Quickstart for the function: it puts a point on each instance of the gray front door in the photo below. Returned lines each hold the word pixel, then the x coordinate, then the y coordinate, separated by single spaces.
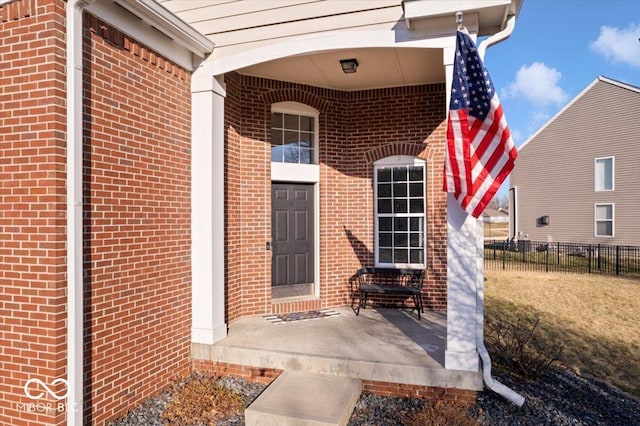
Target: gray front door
pixel 292 265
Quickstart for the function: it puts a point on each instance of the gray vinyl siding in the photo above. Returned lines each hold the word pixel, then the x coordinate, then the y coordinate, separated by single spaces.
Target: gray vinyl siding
pixel 554 172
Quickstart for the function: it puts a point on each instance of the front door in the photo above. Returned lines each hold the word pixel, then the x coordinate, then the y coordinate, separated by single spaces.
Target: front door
pixel 292 264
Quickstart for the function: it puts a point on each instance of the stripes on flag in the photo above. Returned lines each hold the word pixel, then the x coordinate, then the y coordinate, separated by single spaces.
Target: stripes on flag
pixel 480 150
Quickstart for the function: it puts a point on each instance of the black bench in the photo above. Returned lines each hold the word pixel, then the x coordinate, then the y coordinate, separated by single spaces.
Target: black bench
pixel 390 282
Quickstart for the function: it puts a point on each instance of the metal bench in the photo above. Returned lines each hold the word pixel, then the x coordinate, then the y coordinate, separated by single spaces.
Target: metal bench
pixel 390 282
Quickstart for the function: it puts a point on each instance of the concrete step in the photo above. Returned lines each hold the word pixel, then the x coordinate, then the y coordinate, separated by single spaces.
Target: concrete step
pixel 298 398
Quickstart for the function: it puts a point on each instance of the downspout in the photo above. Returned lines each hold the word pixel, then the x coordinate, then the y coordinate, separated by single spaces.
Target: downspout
pixel 495 386
pixel 75 308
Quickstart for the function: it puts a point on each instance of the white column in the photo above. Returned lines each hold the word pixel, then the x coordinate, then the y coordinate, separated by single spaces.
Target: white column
pixel 463 277
pixel 207 209
pixel 463 274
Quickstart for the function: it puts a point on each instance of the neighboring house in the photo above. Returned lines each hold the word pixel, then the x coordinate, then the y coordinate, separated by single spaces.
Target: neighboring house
pixel 496 223
pixel 576 179
pixel 152 153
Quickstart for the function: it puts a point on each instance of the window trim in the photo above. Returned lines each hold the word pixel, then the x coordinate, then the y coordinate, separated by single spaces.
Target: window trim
pixel 612 220
pixel 399 160
pixel 297 108
pixel 595 174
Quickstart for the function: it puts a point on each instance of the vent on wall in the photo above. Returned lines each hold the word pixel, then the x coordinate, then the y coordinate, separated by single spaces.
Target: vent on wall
pixel 543 220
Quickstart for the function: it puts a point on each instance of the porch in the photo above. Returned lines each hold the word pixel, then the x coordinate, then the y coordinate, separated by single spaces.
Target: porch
pixel 380 346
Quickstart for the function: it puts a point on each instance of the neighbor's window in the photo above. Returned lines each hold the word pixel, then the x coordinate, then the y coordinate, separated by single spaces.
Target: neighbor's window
pixel 400 212
pixel 293 137
pixel 604 174
pixel 604 220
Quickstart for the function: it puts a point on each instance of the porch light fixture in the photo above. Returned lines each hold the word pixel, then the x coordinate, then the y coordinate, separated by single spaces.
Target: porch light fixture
pixel 349 66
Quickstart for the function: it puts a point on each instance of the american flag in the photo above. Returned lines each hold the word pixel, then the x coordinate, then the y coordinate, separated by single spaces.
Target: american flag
pixel 480 150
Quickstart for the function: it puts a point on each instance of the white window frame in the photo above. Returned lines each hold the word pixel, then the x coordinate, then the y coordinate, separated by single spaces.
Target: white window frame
pixel 294 172
pixel 399 160
pixel 595 174
pixel 612 220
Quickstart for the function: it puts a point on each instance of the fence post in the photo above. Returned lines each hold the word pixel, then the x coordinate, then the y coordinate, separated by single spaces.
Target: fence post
pixel 599 266
pixel 590 256
pixel 558 253
pixel 504 255
pixel 617 260
pixel 546 259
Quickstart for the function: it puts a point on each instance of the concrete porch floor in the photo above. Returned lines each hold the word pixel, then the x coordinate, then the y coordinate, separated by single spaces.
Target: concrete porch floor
pixel 385 345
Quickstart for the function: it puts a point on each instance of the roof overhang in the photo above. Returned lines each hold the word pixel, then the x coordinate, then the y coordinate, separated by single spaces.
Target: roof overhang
pixel 150 23
pixel 492 14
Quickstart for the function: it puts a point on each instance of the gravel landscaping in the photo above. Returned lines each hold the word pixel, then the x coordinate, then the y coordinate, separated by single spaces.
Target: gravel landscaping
pixel 560 397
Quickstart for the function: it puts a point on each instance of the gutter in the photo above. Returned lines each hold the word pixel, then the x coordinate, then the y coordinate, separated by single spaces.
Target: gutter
pixel 75 308
pixel 495 386
pixel 161 19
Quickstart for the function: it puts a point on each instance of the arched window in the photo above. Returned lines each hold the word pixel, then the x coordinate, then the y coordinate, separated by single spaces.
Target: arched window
pixel 400 206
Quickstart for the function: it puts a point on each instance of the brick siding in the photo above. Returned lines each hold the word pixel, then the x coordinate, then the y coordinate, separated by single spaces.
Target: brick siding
pixel 136 215
pixel 32 208
pixel 137 221
pixel 463 397
pixel 356 129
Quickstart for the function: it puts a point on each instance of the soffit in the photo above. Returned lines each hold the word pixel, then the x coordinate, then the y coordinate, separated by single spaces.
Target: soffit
pixel 248 25
pixel 377 68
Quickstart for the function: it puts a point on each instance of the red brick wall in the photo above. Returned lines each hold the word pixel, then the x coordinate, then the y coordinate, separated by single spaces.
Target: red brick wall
pixel 136 216
pixel 463 397
pixel 234 184
pixel 356 129
pixel 32 208
pixel 137 221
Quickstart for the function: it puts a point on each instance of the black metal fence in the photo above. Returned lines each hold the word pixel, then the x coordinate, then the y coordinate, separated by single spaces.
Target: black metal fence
pixel 526 255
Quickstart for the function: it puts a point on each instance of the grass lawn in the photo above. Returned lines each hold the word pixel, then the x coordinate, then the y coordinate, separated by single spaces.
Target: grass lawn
pixel 596 318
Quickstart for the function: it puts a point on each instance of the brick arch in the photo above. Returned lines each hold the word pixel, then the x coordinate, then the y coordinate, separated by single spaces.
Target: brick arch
pixel 390 150
pixel 296 95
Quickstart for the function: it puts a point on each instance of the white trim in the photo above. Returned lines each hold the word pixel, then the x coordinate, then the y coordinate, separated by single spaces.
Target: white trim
pixel 316 240
pixel 619 84
pixel 391 161
pixel 613 174
pixel 292 172
pixel 140 20
pixel 75 247
pixel 513 211
pixel 463 280
pixel 295 108
pixel 168 23
pixel 323 43
pixel 207 215
pixel 400 160
pixel 612 220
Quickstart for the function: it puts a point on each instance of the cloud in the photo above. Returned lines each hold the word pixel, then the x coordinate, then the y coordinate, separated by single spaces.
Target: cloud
pixel 537 119
pixel 538 84
pixel 517 136
pixel 619 45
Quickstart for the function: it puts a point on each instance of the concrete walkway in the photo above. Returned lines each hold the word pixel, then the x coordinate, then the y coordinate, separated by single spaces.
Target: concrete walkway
pixel 305 399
